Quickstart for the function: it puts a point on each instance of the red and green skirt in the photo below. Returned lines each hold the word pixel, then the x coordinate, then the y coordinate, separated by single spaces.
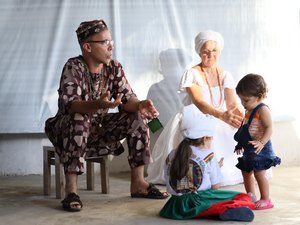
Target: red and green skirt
pixel 207 203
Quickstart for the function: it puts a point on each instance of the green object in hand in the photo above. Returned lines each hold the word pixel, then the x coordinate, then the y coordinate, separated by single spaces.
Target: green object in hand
pixel 154 125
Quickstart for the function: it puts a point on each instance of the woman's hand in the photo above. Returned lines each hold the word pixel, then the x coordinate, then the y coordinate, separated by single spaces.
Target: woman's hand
pixel 147 109
pixel 233 117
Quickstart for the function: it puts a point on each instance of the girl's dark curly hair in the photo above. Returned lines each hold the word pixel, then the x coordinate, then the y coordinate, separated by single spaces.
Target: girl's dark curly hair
pixel 252 85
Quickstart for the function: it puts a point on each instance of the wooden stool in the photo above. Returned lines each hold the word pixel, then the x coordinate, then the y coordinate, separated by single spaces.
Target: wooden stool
pixel 104 173
pixel 51 158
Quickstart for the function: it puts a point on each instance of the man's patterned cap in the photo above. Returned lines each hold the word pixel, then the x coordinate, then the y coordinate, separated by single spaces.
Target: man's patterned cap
pixel 88 28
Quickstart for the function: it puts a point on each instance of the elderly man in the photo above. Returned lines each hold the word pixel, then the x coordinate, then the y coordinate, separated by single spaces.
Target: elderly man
pixel 90 84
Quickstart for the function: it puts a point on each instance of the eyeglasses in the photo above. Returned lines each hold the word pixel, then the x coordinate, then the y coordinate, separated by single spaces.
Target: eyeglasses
pixel 207 52
pixel 103 42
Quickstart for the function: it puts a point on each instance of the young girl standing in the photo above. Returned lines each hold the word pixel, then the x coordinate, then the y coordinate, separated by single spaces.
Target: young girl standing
pixel 193 175
pixel 253 138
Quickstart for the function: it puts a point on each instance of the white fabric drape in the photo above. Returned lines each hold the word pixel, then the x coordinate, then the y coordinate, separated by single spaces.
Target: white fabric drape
pixel 153 41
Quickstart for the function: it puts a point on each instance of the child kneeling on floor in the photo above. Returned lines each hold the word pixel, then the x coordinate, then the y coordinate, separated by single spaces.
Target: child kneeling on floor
pixel 193 176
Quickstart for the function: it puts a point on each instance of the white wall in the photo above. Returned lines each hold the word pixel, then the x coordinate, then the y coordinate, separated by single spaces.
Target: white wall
pixel 286 142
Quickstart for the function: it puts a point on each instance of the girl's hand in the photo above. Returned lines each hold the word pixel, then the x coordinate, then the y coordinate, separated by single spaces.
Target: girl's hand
pixel 258 145
pixel 239 151
pixel 221 162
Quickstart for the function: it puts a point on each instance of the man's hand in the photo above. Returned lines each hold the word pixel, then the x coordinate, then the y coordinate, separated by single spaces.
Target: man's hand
pixel 147 109
pixel 106 103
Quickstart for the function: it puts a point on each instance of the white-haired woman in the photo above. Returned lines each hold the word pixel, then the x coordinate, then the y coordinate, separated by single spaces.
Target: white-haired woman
pixel 212 90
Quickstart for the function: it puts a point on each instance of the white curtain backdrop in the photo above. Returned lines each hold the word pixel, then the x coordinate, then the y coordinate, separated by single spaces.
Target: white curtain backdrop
pixel 153 41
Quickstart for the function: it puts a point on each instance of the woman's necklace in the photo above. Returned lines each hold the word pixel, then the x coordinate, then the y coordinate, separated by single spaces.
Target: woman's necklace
pixel 209 87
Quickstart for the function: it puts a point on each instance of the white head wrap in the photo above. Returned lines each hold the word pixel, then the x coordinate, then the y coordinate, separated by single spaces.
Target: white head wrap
pixel 194 124
pixel 208 35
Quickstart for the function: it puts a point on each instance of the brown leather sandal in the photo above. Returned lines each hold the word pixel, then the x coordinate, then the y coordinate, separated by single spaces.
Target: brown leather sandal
pixel 152 192
pixel 71 202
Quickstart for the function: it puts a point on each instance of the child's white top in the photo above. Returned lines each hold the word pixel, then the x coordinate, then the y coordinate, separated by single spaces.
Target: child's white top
pixel 204 172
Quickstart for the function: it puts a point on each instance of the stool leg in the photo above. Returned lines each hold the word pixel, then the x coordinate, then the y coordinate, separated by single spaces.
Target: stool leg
pixel 104 175
pixel 90 181
pixel 59 178
pixel 46 172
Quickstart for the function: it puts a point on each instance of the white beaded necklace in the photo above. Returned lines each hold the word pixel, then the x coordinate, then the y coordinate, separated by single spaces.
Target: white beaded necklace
pixel 209 87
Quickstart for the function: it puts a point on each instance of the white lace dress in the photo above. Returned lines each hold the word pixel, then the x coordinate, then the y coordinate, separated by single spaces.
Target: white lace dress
pixel 223 143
